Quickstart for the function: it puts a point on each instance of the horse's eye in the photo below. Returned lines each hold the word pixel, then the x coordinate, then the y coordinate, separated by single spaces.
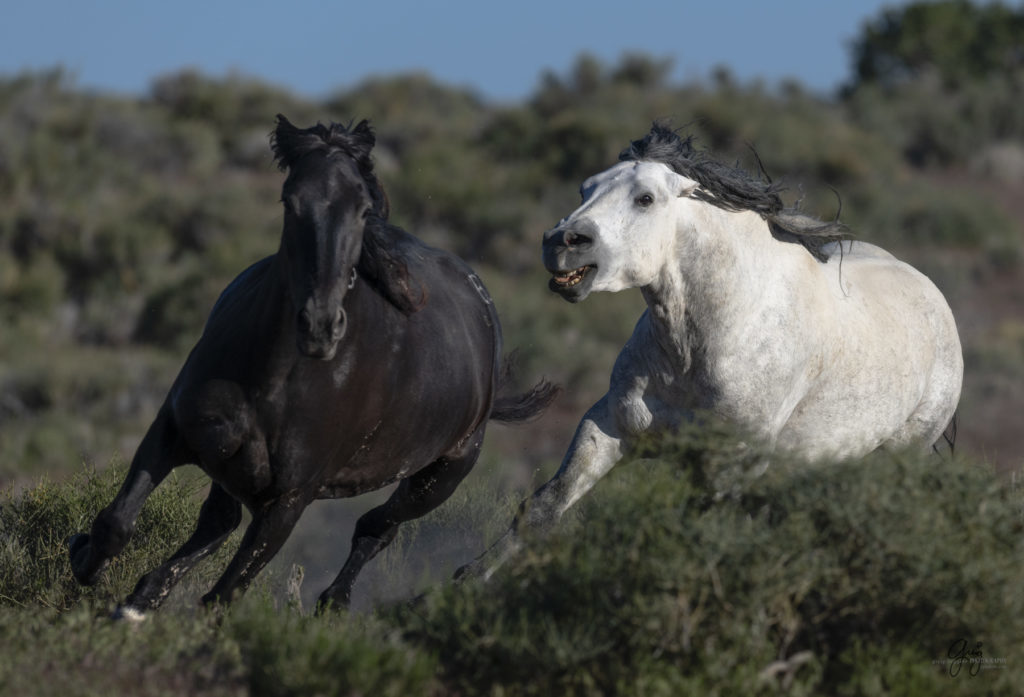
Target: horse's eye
pixel 644 200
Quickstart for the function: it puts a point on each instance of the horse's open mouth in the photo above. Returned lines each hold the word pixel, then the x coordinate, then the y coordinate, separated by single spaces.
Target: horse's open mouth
pixel 568 279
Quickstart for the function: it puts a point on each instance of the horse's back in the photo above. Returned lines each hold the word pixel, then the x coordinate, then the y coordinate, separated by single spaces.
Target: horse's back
pixel 867 279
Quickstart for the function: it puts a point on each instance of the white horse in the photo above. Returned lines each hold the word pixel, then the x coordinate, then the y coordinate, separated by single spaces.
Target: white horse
pixel 757 314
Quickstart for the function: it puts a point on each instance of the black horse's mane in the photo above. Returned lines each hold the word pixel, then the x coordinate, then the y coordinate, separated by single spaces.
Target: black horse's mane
pixel 734 189
pixel 383 260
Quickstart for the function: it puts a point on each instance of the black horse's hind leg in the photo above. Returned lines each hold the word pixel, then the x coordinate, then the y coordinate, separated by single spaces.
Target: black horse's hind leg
pixel 414 497
pixel 158 454
pixel 267 532
pixel 220 515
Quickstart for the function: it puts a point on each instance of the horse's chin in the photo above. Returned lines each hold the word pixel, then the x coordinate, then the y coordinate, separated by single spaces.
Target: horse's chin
pixel 574 285
pixel 316 350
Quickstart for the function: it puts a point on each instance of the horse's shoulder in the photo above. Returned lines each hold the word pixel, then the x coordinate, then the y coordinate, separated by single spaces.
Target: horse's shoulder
pixel 226 321
pixel 640 359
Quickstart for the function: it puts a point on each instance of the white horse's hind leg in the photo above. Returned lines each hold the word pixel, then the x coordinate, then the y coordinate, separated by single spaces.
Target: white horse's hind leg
pixel 936 412
pixel 595 449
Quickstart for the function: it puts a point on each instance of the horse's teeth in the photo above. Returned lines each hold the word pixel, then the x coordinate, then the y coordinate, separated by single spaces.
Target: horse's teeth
pixel 571 278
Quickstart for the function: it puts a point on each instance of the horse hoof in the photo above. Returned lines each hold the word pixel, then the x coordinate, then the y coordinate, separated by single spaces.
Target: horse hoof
pixel 468 572
pixel 128 614
pixel 76 542
pixel 78 552
pixel 327 603
pixel 78 555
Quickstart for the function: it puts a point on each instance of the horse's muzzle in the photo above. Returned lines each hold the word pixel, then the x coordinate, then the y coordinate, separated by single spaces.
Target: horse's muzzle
pixel 318 333
pixel 569 256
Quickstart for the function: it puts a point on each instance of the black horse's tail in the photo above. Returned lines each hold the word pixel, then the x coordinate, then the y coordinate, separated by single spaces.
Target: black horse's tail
pixel 517 408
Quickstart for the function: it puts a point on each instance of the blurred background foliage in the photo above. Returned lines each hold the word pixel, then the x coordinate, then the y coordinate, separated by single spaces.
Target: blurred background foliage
pixel 122 217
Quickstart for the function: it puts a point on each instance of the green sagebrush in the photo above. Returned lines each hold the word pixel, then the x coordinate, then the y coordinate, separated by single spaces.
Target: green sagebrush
pixel 686 573
pixel 253 648
pixel 36 523
pixel 57 639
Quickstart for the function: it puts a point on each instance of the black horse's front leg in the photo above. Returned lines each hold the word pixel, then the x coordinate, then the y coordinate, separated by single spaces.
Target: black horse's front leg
pixel 220 515
pixel 268 531
pixel 159 453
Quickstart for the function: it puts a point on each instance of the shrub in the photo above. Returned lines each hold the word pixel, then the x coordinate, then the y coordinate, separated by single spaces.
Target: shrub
pixel 253 649
pixel 683 574
pixel 837 578
pixel 284 653
pixel 35 526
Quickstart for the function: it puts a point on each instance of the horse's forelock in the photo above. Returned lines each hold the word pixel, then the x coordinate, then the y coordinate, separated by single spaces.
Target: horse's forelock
pixel 662 144
pixel 290 143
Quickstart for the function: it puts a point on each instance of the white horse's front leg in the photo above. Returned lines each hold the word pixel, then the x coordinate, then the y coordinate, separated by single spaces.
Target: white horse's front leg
pixel 595 449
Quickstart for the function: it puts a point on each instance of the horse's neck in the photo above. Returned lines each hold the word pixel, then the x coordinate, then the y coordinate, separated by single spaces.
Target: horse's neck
pixel 717 275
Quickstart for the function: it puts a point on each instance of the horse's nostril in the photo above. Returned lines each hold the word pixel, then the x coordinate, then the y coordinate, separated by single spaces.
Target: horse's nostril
pixel 575 239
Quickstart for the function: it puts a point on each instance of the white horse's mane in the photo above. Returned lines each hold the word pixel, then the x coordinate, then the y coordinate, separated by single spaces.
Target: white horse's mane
pixel 733 188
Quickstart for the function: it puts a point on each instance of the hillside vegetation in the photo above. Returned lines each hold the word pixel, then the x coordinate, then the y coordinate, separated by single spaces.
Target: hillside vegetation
pixel 860 578
pixel 121 219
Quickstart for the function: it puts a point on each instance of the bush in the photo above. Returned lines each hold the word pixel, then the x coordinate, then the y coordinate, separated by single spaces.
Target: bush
pixel 35 526
pixel 254 649
pixel 286 654
pixel 848 578
pixel 684 574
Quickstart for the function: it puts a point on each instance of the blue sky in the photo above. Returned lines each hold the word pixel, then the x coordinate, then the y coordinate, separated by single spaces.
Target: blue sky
pixel 499 49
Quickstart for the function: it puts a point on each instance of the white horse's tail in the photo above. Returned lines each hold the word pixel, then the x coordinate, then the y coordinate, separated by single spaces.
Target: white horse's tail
pixel 949 435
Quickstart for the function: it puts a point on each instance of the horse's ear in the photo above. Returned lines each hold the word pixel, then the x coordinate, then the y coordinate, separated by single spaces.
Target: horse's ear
pixel 688 189
pixel 684 186
pixel 363 137
pixel 283 122
pixel 280 138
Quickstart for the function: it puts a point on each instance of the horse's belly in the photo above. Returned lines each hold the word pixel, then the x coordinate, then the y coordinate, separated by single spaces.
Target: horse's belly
pixel 853 419
pixel 402 437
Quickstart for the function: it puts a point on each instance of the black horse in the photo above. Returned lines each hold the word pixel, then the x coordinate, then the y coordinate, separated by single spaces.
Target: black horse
pixel 353 358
